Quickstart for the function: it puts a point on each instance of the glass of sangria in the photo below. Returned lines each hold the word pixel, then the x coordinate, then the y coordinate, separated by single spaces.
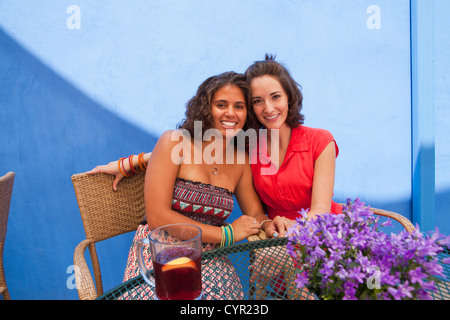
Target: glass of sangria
pixel 176 256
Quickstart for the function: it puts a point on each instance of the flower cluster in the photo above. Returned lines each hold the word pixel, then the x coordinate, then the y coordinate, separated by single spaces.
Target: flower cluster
pixel 347 256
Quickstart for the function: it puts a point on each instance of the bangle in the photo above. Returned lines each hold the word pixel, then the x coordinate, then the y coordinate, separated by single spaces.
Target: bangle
pixel 130 161
pixel 231 234
pixel 267 220
pixel 222 241
pixel 227 236
pixel 123 171
pixel 141 161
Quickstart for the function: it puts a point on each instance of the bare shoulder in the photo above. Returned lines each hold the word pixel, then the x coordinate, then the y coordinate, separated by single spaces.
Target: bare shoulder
pixel 170 139
pixel 174 144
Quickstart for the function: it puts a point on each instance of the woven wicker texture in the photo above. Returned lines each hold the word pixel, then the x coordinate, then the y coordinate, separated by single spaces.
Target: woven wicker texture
pixel 6 187
pixel 105 214
pixel 395 216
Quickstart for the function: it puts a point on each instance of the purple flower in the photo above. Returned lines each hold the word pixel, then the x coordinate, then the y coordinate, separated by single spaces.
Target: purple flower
pixel 335 254
pixel 290 249
pixel 342 273
pixel 416 275
pixel 339 254
pixel 387 223
pixel 318 252
pixel 327 269
pixel 394 293
pixel 429 285
pixel 421 294
pixel 349 291
pixel 433 268
pixel 405 289
pixel 303 213
pixel 301 280
pixel 356 274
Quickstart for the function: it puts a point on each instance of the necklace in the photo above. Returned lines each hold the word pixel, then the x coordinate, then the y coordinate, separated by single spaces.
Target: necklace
pixel 215 170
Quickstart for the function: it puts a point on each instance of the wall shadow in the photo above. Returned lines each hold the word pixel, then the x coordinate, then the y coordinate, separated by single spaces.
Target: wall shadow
pixel 50 130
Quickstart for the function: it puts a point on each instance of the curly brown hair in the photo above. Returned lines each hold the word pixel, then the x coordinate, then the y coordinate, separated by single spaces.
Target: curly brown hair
pixel 198 107
pixel 275 69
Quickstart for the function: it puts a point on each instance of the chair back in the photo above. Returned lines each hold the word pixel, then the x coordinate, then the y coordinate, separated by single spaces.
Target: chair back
pixel 6 187
pixel 107 213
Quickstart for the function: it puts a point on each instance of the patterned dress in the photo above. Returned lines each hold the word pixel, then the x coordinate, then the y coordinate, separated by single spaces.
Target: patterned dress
pixel 207 204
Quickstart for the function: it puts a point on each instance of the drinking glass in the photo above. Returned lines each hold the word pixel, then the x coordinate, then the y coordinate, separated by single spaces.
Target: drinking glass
pixel 176 257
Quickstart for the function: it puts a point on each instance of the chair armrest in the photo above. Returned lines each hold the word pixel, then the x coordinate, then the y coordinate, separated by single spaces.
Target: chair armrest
pixel 389 214
pixel 393 215
pixel 397 217
pixel 260 236
pixel 83 277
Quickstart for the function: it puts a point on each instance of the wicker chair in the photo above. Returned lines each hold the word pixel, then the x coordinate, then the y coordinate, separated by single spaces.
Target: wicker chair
pixel 6 187
pixel 290 271
pixel 105 214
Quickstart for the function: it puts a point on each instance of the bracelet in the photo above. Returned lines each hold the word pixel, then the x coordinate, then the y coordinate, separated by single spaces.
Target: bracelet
pixel 130 161
pixel 141 162
pixel 128 174
pixel 267 220
pixel 120 169
pixel 227 236
pixel 222 240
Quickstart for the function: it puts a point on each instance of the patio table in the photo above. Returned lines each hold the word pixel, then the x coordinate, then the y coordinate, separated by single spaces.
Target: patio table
pixel 242 255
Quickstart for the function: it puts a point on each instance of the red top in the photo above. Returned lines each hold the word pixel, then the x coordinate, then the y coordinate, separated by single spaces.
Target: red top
pixel 289 190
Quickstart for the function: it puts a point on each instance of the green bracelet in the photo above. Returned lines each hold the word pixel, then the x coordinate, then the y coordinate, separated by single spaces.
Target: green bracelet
pixel 227 235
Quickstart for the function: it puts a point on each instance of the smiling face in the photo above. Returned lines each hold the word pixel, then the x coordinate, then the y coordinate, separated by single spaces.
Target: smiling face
pixel 270 102
pixel 228 109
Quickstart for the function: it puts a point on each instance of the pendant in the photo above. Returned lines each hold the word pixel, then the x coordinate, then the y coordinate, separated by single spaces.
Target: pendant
pixel 215 171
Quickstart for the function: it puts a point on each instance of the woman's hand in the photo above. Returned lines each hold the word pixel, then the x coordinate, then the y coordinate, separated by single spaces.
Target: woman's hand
pixel 243 227
pixel 110 168
pixel 278 227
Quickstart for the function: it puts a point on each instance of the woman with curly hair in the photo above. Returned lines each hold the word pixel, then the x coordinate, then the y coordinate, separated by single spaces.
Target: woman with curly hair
pixel 179 189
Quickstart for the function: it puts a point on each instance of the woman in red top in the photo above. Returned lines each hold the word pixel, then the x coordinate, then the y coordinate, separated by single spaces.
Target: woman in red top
pixel 298 174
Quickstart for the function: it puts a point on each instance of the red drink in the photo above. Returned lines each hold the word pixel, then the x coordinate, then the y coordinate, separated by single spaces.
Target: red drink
pixel 177 274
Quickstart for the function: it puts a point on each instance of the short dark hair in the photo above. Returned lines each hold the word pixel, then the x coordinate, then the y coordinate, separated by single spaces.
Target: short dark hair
pixel 275 69
pixel 198 107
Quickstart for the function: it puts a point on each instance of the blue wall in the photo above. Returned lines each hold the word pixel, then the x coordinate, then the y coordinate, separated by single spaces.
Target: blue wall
pixel 85 85
pixel 442 113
